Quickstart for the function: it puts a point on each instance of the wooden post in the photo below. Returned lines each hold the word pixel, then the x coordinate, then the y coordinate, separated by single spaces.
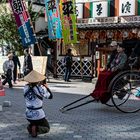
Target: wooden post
pixel 98 67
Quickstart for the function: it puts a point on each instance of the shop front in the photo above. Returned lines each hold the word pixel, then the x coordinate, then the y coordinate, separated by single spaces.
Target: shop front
pixel 119 29
pixel 99 23
pixel 82 60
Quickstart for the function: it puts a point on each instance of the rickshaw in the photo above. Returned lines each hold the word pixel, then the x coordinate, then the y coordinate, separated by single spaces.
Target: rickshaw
pixel 124 89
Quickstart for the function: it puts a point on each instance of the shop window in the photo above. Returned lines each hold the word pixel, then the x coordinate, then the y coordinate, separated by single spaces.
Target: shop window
pixel 81 48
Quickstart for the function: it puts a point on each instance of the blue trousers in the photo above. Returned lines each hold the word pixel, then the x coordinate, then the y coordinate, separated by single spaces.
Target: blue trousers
pixel 67 73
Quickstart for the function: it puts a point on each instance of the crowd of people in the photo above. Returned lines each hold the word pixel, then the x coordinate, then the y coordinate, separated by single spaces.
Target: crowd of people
pixel 12 65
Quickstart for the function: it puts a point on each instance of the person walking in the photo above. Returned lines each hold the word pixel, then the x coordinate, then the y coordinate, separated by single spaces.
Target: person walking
pixel 8 67
pixel 16 63
pixel 34 92
pixel 27 65
pixel 68 65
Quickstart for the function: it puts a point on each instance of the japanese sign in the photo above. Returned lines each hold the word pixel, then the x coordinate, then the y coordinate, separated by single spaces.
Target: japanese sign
pixel 23 22
pixel 79 10
pixel 68 18
pixel 53 18
pixel 128 19
pixel 100 9
pixel 84 1
pixel 127 7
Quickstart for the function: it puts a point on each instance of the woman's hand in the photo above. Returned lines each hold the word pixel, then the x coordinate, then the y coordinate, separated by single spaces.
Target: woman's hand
pixel 45 85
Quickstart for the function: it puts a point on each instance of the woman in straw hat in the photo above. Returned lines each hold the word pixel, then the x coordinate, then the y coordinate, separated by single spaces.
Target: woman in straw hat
pixel 34 92
pixel 8 67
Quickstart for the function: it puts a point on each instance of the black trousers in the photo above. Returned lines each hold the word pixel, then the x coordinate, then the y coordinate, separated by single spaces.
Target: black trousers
pixel 42 125
pixel 15 74
pixel 8 78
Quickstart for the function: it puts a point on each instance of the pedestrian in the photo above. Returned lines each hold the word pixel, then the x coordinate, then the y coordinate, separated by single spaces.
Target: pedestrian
pixel 27 65
pixel 34 92
pixel 1 86
pixel 8 67
pixel 68 65
pixel 16 63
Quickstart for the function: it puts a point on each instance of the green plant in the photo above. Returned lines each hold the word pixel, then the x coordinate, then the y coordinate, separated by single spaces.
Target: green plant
pixel 9 34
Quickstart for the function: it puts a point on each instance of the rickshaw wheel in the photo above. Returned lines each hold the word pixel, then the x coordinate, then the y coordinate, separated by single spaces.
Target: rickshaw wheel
pixel 124 89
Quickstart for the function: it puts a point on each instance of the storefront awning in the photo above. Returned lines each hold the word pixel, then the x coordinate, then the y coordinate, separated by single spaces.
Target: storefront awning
pixel 109 26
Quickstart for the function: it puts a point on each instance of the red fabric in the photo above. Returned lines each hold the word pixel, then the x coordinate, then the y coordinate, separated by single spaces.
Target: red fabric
pixel 2 91
pixel 101 89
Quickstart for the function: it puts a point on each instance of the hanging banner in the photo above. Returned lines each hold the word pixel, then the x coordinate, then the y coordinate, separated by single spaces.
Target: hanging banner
pixel 23 22
pixel 53 18
pixel 68 19
pixel 127 7
pixel 100 9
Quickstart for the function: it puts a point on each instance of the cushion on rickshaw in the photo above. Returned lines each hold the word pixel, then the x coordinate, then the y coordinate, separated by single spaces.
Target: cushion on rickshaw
pixel 101 91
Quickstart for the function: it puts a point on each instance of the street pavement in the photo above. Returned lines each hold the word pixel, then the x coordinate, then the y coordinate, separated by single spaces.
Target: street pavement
pixel 93 121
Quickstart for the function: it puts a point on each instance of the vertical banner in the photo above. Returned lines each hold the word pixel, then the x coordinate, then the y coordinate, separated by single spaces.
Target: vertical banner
pixel 23 22
pixel 68 19
pixel 53 17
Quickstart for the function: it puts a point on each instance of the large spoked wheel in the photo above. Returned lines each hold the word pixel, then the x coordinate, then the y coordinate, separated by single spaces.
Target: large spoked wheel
pixel 125 89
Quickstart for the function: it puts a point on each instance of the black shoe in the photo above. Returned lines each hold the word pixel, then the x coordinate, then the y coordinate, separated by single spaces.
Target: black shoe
pixel 11 86
pixel 68 81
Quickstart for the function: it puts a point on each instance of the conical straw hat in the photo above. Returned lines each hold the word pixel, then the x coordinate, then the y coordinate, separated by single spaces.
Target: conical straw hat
pixel 34 77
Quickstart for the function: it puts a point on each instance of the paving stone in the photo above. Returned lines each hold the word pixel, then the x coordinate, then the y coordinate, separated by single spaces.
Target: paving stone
pixel 90 122
pixel 1 109
pixel 7 104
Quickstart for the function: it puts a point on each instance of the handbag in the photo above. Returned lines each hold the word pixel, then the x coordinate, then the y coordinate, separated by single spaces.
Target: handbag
pixel 20 75
pixel 3 76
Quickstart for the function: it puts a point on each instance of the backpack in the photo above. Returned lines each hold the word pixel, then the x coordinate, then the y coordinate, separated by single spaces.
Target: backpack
pixel 64 61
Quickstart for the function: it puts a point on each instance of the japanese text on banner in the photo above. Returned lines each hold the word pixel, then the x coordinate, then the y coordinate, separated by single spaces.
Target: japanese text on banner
pixel 54 23
pixel 23 22
pixel 68 18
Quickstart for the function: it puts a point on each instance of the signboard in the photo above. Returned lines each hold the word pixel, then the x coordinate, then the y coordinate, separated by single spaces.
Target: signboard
pixel 23 22
pixel 84 1
pixel 98 20
pixel 127 7
pixel 129 19
pixel 39 63
pixel 100 9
